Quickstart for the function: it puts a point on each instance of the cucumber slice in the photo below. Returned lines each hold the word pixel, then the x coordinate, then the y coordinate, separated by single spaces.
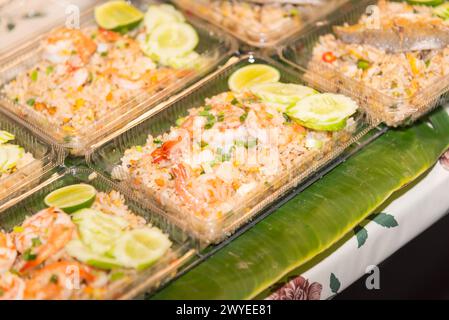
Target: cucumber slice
pixel 6 136
pixel 157 15
pixel 11 154
pixel 248 76
pixel 99 230
pixel 282 93
pixel 192 61
pixel 326 111
pixel 117 15
pixel 432 3
pixel 140 248
pixel 79 251
pixel 72 198
pixel 171 40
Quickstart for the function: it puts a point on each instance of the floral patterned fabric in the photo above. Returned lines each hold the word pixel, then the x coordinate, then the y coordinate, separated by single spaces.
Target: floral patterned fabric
pixel 445 160
pixel 298 289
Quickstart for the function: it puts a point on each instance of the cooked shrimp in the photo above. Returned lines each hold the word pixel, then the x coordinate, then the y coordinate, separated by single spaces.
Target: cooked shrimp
pixel 8 252
pixel 163 153
pixel 180 174
pixel 43 235
pixel 64 43
pixel 12 287
pixel 57 281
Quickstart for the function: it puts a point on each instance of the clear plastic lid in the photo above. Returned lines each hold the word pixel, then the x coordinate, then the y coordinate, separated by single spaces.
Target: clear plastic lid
pixel 260 23
pixel 23 20
pixel 384 101
pixel 40 156
pixel 14 212
pixel 213 48
pixel 106 157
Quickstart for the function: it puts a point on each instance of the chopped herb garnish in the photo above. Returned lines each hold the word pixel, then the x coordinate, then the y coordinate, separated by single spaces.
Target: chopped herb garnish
pixel 16 100
pixel 49 70
pixel 117 276
pixel 31 102
pixel 235 102
pixel 54 279
pixel 157 141
pixel 220 117
pixel 67 139
pixel 204 113
pixel 203 144
pixel 36 242
pixel 180 121
pixel 210 121
pixel 427 63
pixel 243 117
pixel 104 54
pixel 29 256
pixel 363 64
pixel 34 75
pixel 207 107
pixel 10 26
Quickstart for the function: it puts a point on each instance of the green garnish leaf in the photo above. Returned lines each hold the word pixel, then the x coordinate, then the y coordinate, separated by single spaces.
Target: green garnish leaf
pixel 243 117
pixel 31 102
pixel 117 276
pixel 49 70
pixel 34 75
pixel 29 256
pixel 220 117
pixel 157 141
pixel 36 242
pixel 54 279
pixel 210 121
pixel 363 64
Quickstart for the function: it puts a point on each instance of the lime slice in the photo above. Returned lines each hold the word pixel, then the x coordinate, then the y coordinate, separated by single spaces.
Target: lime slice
pixel 251 75
pixel 6 136
pixel 157 15
pixel 140 248
pixel 282 93
pixel 79 251
pixel 171 40
pixel 117 15
pixel 442 11
pixel 426 2
pixel 72 198
pixel 326 111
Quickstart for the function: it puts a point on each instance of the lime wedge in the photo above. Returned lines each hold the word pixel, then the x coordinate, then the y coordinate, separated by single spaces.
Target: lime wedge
pixel 6 136
pixel 71 198
pixel 251 75
pixel 171 40
pixel 442 11
pixel 157 15
pixel 79 251
pixel 426 2
pixel 325 112
pixel 140 248
pixel 282 93
pixel 117 15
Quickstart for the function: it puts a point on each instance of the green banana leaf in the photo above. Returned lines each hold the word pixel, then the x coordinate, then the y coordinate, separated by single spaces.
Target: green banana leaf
pixel 317 218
